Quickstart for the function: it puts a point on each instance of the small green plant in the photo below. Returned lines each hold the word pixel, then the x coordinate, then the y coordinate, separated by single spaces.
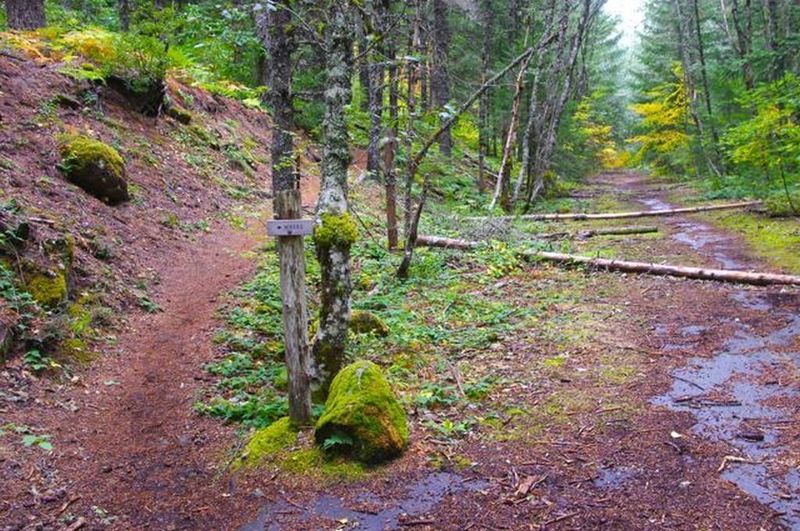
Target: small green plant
pixel 37 361
pixel 337 442
pixel 40 441
pixel 147 304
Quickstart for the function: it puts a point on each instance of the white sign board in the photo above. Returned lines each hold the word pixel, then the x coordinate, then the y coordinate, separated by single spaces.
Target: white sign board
pixel 290 227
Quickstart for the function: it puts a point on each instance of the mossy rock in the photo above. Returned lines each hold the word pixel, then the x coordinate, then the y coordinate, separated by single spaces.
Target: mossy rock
pixel 267 442
pixel 364 322
pixel 95 167
pixel 180 115
pixel 76 349
pixel 48 288
pixel 362 416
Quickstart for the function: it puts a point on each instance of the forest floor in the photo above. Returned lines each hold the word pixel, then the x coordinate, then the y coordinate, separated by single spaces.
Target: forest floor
pixel 636 402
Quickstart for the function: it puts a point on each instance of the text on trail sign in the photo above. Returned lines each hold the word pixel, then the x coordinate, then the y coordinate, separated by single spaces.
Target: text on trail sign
pixel 290 227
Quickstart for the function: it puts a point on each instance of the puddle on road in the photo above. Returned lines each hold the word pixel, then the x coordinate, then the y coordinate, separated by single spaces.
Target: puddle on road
pixel 733 400
pixel 699 237
pixel 656 204
pixel 422 497
pixel 614 477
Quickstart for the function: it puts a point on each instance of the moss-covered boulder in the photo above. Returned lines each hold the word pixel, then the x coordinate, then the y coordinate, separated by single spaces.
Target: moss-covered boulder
pixel 362 416
pixel 180 115
pixel 48 288
pixel 363 322
pixel 95 167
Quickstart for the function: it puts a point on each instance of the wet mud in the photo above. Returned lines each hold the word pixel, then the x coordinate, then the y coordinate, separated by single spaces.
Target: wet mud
pixel 422 497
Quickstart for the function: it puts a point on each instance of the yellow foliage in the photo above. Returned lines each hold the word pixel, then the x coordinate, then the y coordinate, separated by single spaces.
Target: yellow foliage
pixel 466 130
pixel 598 137
pixel 663 119
pixel 94 44
pixel 29 43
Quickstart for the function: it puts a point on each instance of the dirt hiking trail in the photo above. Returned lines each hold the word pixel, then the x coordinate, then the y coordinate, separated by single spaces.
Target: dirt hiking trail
pixel 711 440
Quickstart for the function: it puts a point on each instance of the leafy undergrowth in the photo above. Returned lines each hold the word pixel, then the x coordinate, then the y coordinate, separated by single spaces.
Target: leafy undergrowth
pixel 472 337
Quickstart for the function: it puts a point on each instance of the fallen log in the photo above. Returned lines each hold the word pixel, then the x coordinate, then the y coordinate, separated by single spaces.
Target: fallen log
pixel 720 275
pixel 619 215
pixel 591 233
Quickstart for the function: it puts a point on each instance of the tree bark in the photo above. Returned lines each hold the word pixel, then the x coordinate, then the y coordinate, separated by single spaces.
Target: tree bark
pixel 721 275
pixel 486 23
pixel 335 228
pixel 440 78
pixel 389 149
pixel 124 7
pixel 377 11
pixel 744 40
pixel 287 205
pixel 777 61
pixel 25 14
pixel 502 192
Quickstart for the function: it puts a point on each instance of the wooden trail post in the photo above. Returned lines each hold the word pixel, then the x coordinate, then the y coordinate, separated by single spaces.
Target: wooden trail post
pixel 289 229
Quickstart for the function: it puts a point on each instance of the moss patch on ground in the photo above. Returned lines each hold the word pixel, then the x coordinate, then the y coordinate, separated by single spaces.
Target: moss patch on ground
pixel 280 444
pixel 776 240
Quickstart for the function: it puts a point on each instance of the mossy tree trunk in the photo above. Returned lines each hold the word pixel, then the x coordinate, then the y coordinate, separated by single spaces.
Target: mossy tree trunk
pixel 336 230
pixel 25 14
pixel 287 205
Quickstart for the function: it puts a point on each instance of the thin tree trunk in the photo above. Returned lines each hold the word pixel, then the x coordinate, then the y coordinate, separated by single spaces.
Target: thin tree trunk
pixel 336 230
pixel 25 14
pixel 691 90
pixel 413 164
pixel 440 79
pixel 502 192
pixel 124 7
pixel 389 149
pixel 287 203
pixel 706 90
pixel 377 11
pixel 776 60
pixel 744 40
pixel 486 20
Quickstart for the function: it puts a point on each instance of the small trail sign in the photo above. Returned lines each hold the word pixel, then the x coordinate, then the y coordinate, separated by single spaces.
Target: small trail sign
pixel 290 227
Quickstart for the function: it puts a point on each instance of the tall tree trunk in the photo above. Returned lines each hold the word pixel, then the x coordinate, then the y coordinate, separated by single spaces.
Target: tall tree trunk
pixel 336 230
pixel 377 11
pixel 124 8
pixel 25 14
pixel 440 78
pixel 691 89
pixel 773 40
pixel 287 205
pixel 363 69
pixel 502 189
pixel 390 149
pixel 706 90
pixel 486 19
pixel 744 40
